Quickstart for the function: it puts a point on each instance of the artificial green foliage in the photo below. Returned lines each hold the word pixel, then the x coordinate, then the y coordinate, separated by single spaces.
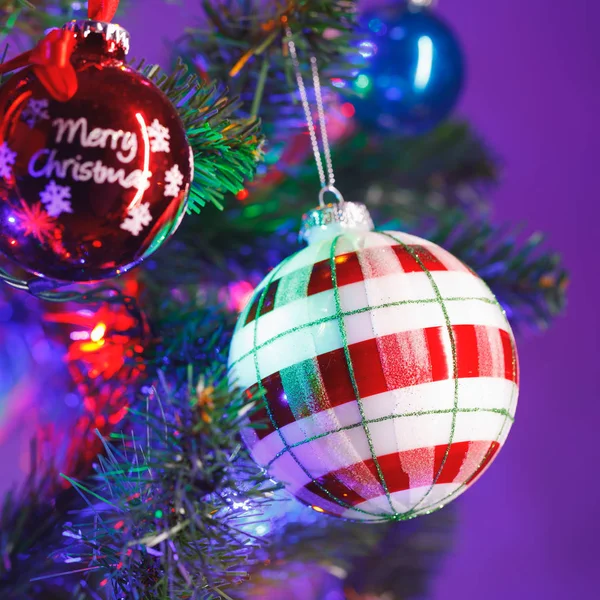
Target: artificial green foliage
pixel 226 150
pixel 29 522
pixel 244 47
pixel 33 17
pixel 405 179
pixel 529 281
pixel 386 561
pixel 433 186
pixel 163 521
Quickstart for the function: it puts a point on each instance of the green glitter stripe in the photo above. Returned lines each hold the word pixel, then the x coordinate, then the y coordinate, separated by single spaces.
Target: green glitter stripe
pixel 343 333
pixel 422 413
pixel 456 492
pixel 338 501
pixel 358 311
pixel 440 299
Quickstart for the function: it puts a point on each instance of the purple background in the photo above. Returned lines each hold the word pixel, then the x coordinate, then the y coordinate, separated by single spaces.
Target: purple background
pixel 528 529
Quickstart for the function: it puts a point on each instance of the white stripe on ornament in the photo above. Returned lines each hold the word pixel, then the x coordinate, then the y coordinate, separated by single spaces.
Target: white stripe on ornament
pixel 486 393
pixel 307 257
pixel 295 318
pixel 481 393
pixel 342 449
pixel 406 238
pixel 404 500
pixel 474 393
pixel 447 259
pixel 347 243
pixel 412 287
pixel 478 394
pixel 243 374
pixel 399 287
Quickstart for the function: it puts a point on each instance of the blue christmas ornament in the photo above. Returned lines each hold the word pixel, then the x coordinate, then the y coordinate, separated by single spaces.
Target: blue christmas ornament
pixel 414 71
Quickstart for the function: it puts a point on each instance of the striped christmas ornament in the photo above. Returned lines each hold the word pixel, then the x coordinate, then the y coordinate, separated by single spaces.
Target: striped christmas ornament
pixel 388 369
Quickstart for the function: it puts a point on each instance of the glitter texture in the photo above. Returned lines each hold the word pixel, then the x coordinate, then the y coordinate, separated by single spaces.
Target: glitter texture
pixel 324 222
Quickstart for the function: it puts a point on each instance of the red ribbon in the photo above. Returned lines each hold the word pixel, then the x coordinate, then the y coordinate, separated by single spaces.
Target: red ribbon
pixel 51 58
pixel 102 10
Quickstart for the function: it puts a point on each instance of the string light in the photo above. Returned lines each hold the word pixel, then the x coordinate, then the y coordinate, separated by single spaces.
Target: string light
pixel 98 332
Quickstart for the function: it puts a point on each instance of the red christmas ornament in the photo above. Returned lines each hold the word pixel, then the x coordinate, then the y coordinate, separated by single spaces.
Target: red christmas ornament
pixel 104 358
pixel 95 167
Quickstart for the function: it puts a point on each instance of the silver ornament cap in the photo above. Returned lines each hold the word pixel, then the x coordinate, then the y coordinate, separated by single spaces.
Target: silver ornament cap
pixel 116 37
pixel 329 220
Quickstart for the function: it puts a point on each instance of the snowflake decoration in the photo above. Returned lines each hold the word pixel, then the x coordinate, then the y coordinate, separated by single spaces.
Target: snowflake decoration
pixel 36 110
pixel 35 221
pixel 159 137
pixel 55 197
pixel 7 159
pixel 174 181
pixel 139 217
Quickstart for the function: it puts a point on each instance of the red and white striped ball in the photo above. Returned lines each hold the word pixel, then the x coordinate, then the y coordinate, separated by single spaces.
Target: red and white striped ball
pixel 389 372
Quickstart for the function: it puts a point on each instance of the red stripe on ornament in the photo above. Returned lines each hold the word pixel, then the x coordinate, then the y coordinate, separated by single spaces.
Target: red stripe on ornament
pixel 397 361
pixel 268 301
pixel 477 346
pixel 438 356
pixel 426 259
pixel 253 309
pixel 467 350
pixel 348 270
pixel 368 370
pixel 358 483
pixel 275 397
pixel 454 458
pixel 511 361
pixel 269 298
pixel 335 376
pixel 485 463
pixel 348 266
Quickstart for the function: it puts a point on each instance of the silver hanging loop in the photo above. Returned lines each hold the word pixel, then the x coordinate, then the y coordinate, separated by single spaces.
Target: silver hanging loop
pixel 330 189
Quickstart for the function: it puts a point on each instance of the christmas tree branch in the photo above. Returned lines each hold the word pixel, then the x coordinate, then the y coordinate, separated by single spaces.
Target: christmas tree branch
pixel 161 517
pixel 33 17
pixel 244 48
pixel 166 511
pixel 384 561
pixel 173 507
pixel 404 178
pixel 529 281
pixel 431 186
pixel 30 522
pixel 226 151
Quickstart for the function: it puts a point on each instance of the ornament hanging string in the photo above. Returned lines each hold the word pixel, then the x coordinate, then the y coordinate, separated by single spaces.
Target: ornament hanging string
pixel 327 182
pixel 51 58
